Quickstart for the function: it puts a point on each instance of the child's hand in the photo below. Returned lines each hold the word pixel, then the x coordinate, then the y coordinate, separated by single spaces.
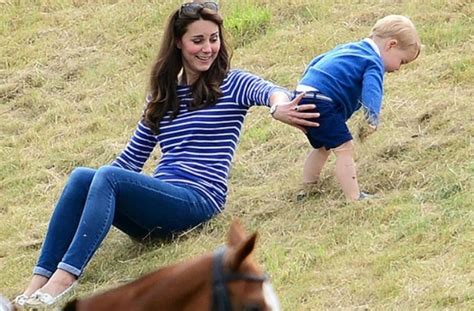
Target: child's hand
pixel 365 131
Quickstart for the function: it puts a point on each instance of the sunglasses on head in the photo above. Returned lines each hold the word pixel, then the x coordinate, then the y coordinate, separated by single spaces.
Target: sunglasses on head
pixel 192 8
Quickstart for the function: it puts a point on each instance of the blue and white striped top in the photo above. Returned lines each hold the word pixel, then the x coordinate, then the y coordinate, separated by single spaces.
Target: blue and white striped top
pixel 197 146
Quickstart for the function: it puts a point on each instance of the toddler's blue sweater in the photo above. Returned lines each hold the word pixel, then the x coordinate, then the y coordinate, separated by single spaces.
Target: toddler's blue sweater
pixel 352 75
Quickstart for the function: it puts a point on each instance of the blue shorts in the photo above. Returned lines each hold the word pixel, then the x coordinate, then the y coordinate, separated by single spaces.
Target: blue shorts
pixel 332 131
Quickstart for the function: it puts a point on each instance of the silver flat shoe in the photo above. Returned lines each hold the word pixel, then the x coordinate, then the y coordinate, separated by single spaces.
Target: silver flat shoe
pixel 20 300
pixel 39 299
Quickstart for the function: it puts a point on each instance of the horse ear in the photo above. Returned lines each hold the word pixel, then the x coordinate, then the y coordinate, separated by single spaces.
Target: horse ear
pixel 237 256
pixel 236 233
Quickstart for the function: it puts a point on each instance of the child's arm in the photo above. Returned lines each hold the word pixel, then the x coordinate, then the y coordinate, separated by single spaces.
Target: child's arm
pixel 372 93
pixel 371 97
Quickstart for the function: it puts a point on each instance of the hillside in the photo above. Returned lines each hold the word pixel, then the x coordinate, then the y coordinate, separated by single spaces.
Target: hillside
pixel 73 76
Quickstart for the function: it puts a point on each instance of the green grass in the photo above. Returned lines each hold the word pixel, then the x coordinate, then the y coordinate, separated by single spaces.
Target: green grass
pixel 73 76
pixel 246 22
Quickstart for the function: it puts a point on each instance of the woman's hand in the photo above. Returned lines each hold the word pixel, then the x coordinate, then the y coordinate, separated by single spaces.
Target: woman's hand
pixel 290 113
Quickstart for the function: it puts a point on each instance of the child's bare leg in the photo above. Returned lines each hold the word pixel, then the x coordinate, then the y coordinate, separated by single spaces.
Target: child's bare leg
pixel 314 164
pixel 346 170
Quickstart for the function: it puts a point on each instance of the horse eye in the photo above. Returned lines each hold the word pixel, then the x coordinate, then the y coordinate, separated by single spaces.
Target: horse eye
pixel 252 307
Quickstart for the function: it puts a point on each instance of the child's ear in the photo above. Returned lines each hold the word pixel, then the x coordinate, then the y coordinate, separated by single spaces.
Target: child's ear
pixel 392 43
pixel 179 44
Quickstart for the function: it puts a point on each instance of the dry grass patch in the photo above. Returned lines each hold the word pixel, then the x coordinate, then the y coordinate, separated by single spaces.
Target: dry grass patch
pixel 73 76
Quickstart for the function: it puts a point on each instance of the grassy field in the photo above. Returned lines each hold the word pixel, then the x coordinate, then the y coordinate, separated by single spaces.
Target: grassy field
pixel 73 76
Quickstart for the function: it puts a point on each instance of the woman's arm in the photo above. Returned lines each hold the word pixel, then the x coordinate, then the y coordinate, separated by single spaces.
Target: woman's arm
pixel 250 90
pixel 286 112
pixel 138 149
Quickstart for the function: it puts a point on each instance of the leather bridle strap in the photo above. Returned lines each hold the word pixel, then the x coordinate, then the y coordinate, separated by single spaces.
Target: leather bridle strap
pixel 220 294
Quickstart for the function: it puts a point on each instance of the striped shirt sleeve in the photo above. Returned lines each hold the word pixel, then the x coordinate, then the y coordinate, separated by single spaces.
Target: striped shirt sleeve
pixel 138 149
pixel 252 90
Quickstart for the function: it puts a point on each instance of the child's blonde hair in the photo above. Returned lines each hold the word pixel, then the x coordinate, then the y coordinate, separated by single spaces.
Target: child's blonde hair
pixel 400 28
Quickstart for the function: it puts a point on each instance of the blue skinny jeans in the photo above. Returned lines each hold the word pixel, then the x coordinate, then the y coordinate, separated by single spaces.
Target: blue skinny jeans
pixel 94 200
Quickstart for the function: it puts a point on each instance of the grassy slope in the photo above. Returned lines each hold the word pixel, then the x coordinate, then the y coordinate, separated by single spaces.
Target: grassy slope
pixel 72 79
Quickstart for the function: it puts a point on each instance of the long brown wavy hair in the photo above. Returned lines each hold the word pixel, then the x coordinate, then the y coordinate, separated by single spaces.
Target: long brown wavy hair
pixel 206 90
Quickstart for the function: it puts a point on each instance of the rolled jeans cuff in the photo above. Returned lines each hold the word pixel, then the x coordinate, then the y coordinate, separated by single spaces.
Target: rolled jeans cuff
pixel 42 271
pixel 69 268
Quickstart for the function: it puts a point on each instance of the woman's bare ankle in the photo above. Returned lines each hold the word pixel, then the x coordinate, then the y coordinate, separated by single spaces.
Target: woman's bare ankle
pixel 59 281
pixel 37 281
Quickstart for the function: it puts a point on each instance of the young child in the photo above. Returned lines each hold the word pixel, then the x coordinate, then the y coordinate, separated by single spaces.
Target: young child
pixel 345 79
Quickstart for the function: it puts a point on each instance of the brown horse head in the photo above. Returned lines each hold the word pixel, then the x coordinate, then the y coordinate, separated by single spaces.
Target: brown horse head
pixel 227 279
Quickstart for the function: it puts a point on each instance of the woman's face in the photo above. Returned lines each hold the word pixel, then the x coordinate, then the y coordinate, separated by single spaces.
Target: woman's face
pixel 199 48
